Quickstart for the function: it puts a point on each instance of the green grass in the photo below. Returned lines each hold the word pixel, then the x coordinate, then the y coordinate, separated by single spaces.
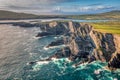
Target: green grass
pixel 113 15
pixel 107 27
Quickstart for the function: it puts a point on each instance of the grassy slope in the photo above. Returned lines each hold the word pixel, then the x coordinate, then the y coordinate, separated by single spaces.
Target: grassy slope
pixel 107 15
pixel 14 15
pixel 5 15
pixel 107 27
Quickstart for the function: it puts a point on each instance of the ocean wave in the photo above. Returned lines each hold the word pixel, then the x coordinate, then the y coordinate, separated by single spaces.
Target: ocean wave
pixel 45 48
pixel 86 71
pixel 39 64
pixel 35 37
pixel 60 63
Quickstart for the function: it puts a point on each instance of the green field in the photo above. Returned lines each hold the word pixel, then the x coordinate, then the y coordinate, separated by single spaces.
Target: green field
pixel 107 27
pixel 112 15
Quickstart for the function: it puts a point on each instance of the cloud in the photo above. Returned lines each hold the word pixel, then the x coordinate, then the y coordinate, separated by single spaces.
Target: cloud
pixel 31 2
pixel 93 8
pixel 51 6
pixel 83 8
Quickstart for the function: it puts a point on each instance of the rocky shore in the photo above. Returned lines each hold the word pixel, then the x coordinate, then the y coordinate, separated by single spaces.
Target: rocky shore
pixel 83 43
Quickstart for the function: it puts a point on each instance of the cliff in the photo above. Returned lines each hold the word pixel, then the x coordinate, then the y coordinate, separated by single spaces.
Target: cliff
pixel 83 43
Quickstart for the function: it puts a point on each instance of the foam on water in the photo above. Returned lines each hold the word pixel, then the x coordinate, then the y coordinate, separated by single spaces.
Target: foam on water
pixel 39 64
pixel 42 62
pixel 66 70
pixel 45 48
pixel 55 37
pixel 43 58
pixel 64 65
pixel 97 71
pixel 36 38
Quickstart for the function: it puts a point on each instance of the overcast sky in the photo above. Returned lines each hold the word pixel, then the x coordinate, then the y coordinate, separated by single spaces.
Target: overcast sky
pixel 60 6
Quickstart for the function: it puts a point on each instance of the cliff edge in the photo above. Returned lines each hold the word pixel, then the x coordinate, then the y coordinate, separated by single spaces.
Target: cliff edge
pixel 83 43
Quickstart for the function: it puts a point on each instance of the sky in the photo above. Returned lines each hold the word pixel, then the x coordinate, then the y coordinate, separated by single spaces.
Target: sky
pixel 50 7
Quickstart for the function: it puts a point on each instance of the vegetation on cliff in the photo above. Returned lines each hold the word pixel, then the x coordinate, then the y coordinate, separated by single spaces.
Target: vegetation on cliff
pixel 108 15
pixel 112 27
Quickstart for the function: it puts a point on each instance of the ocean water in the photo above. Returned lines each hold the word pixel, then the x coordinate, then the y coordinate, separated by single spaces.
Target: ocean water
pixel 19 46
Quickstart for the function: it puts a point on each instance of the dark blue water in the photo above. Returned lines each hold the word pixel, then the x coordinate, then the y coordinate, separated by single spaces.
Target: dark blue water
pixel 18 46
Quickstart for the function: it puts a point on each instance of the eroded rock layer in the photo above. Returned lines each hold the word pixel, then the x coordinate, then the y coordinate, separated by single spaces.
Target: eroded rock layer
pixel 83 42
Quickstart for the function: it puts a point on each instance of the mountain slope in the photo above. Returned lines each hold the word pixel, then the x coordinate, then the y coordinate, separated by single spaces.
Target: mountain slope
pixel 14 15
pixel 107 15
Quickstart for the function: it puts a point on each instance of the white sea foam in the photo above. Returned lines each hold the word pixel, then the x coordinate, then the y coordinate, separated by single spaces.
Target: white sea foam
pixel 73 66
pixel 42 62
pixel 43 58
pixel 115 79
pixel 68 60
pixel 54 59
pixel 35 37
pixel 55 37
pixel 84 64
pixel 33 54
pixel 96 72
pixel 39 64
pixel 45 48
pixel 80 67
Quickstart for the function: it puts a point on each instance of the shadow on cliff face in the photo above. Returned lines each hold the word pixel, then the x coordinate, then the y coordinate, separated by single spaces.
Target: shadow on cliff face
pixel 106 46
pixel 81 41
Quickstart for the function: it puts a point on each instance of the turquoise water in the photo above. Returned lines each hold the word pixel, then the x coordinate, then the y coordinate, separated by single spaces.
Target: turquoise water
pixel 62 69
pixel 18 46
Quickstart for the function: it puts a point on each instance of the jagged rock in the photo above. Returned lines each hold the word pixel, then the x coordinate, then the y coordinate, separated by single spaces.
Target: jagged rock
pixel 62 53
pixel 83 42
pixel 56 43
pixel 114 63
pixel 42 34
pixel 55 28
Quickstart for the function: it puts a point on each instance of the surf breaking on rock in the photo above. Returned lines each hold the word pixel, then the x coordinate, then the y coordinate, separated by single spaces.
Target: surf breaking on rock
pixel 82 43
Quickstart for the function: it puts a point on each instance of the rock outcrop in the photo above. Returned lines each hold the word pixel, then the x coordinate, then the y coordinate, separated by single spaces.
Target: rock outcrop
pixel 83 42
pixel 53 28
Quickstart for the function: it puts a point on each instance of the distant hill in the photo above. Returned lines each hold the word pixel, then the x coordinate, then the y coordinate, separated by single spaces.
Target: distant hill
pixel 14 15
pixel 9 15
pixel 107 15
pixel 6 15
pixel 112 12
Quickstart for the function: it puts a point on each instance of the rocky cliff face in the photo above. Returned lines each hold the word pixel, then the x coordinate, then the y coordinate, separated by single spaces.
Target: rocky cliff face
pixel 82 42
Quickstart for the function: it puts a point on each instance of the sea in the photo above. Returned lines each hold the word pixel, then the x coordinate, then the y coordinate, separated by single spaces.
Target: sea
pixel 19 46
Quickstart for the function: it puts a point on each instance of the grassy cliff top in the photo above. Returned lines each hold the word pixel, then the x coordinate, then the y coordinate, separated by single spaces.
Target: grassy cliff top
pixel 104 16
pixel 112 27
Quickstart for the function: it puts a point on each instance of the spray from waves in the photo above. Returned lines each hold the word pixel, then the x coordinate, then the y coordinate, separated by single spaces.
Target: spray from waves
pixel 36 38
pixel 47 48
pixel 62 64
pixel 39 64
pixel 59 37
pixel 64 69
